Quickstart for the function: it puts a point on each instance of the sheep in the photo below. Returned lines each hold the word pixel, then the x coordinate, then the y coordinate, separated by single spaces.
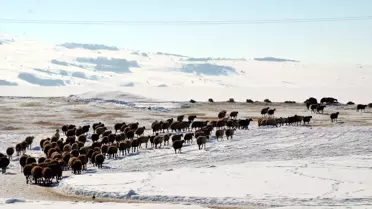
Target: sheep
pixel 267 122
pixel 232 123
pixel 86 129
pixel 334 116
pixel 117 126
pixel 220 133
pixel 177 137
pixel 67 148
pixel 222 114
pixel 70 140
pixel 10 152
pixel 180 118
pixel 30 160
pixel 97 125
pixel 176 126
pixel 313 107
pixel 41 160
pixel 361 107
pixel 221 123
pixel 234 114
pixel 185 125
pixel 157 126
pixel 166 125
pixel 264 111
pixel 37 173
pixel 135 144
pixel 84 161
pixel 18 148
pixel 158 140
pixel 104 149
pixel 100 130
pixel 144 140
pixel 328 100
pixel 70 132
pixel 271 112
pixel 133 126
pixel 191 118
pixel 79 131
pixel 47 174
pixel 198 124
pixel 188 137
pixel 22 160
pixel 229 133
pixel 130 134
pixel 177 145
pixel 75 153
pixel 75 146
pixel 94 137
pixel 99 160
pixel 201 141
pixel 139 131
pixel 4 162
pixel 27 171
pixel 112 151
pixel 311 101
pixel 64 129
pixel 82 139
pixel 111 138
pixel 244 123
pixel 306 119
pixel 105 140
pixel 106 133
pixel 320 108
pixel 57 156
pixel 93 158
pixel 76 166
pixel 122 147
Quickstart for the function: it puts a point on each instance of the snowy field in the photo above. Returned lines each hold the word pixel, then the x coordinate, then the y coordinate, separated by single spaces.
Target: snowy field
pixel 18 203
pixel 32 68
pixel 321 165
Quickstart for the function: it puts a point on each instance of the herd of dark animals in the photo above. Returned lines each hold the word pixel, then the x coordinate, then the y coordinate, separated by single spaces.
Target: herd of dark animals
pixel 73 154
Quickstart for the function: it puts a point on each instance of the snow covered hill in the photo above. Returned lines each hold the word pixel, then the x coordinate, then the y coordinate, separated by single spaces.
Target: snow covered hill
pixel 31 68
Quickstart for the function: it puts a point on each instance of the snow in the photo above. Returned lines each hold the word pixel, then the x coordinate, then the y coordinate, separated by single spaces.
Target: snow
pixel 10 204
pixel 31 68
pixel 287 166
pixel 321 165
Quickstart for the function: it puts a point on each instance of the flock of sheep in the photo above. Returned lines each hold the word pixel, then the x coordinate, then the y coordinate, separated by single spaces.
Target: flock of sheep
pixel 69 150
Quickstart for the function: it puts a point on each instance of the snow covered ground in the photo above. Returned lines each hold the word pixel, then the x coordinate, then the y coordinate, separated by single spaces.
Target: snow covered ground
pixel 319 165
pixel 19 203
pixel 49 70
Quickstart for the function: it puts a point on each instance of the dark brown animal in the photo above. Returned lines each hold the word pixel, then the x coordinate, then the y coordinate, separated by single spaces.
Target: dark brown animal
pixel 334 117
pixel 361 107
pixel 177 145
pixel 229 133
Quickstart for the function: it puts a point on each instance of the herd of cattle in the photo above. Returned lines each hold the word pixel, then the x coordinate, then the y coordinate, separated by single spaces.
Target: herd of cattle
pixel 69 150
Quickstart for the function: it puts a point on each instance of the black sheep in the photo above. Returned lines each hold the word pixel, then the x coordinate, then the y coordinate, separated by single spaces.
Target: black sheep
pixel 177 145
pixel 334 116
pixel 4 162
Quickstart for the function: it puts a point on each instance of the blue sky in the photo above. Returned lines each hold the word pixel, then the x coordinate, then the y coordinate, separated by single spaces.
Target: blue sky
pixel 321 42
